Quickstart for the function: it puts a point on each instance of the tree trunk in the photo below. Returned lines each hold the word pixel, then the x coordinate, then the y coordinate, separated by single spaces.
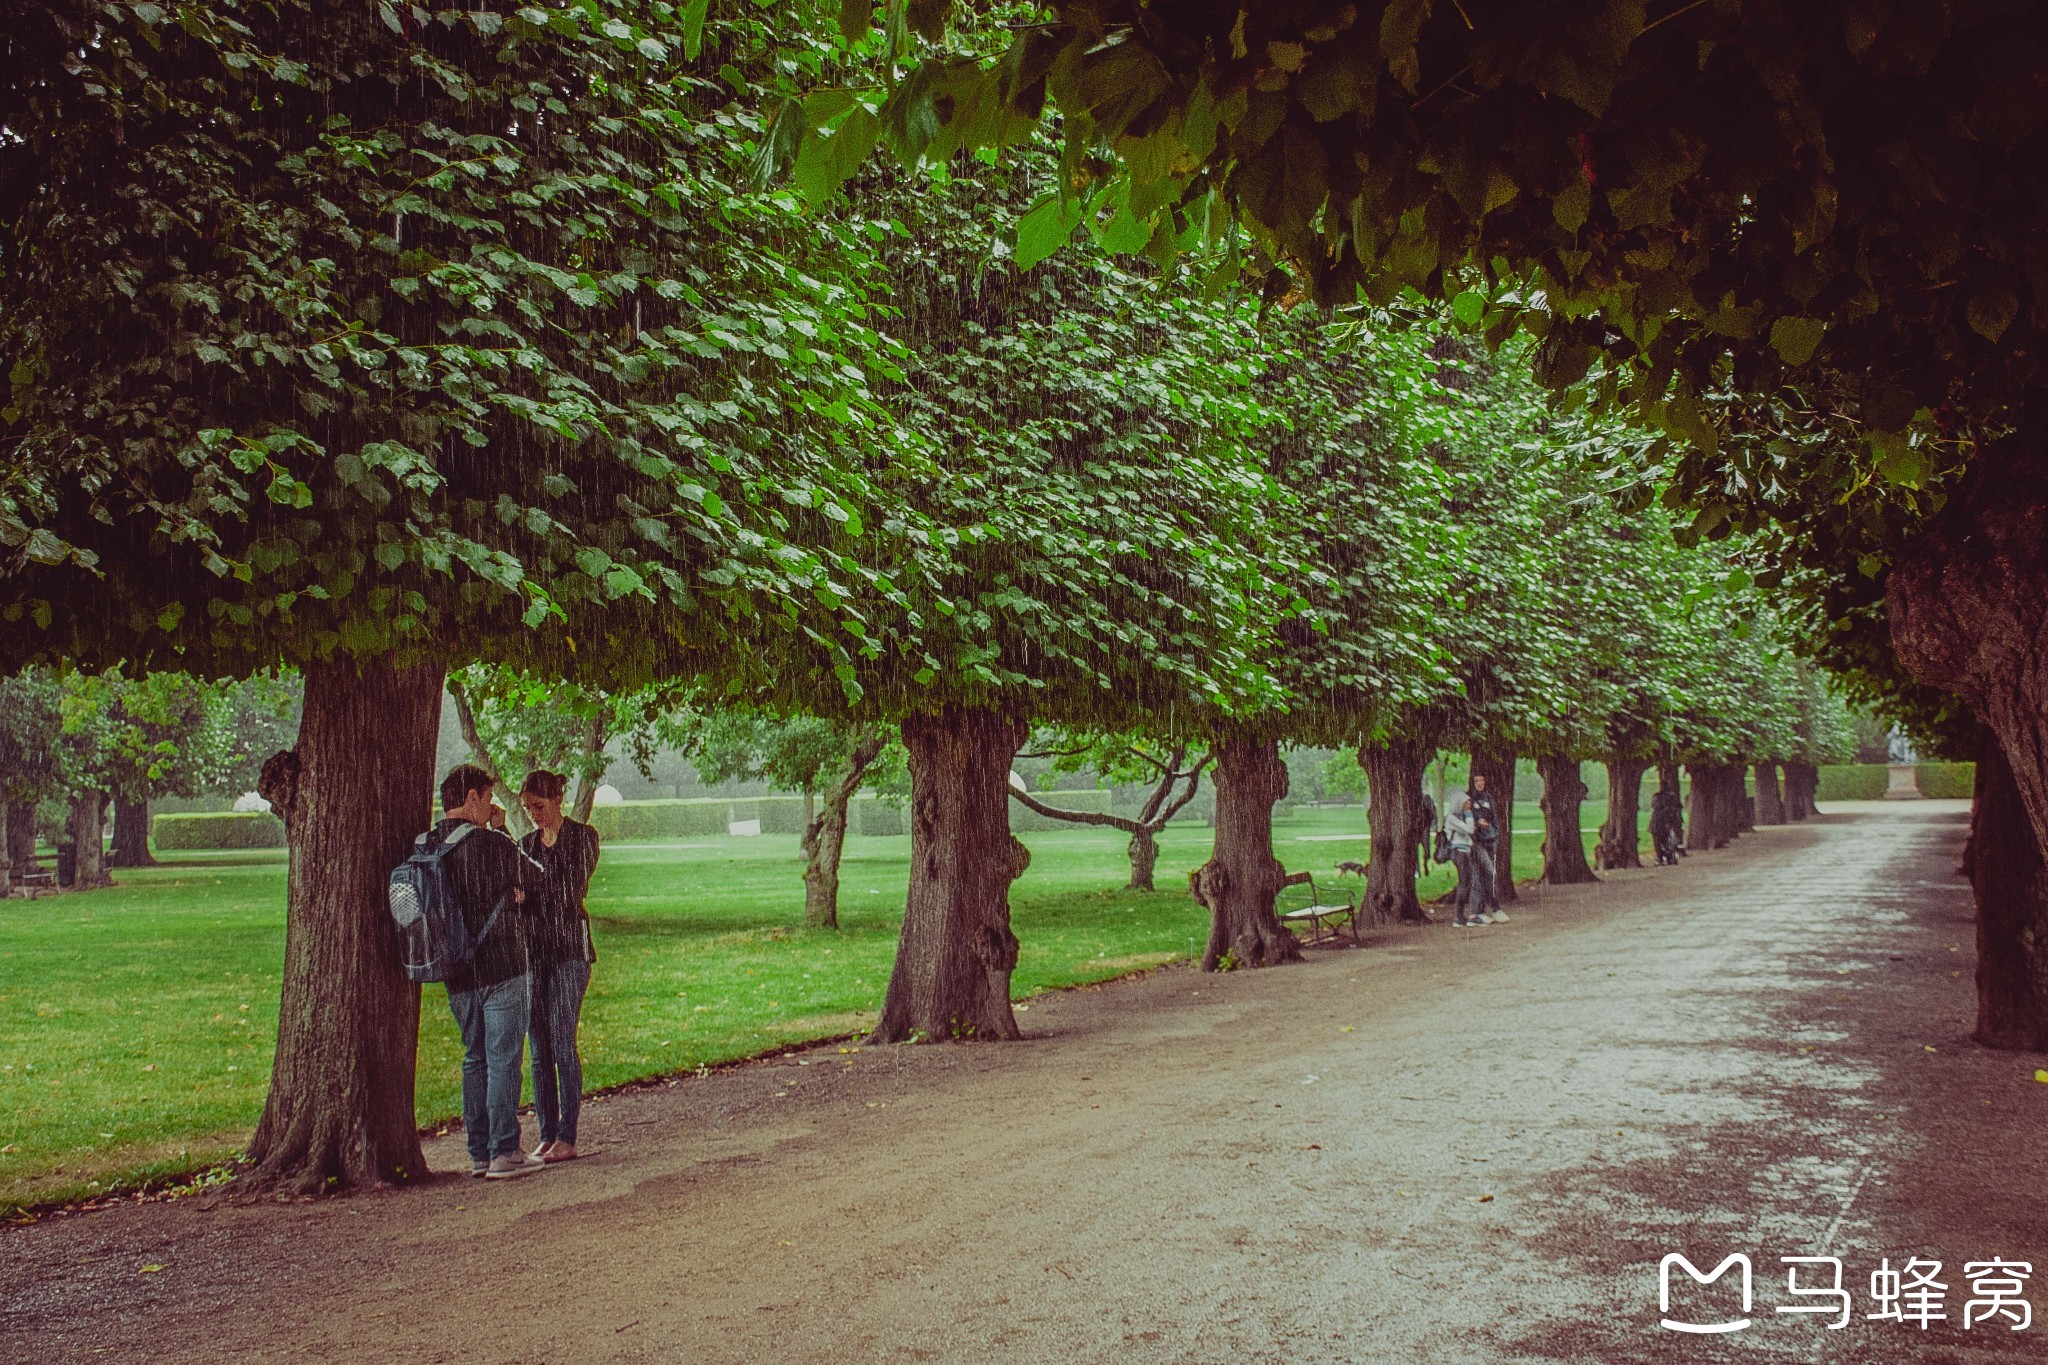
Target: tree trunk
pixel 1802 782
pixel 353 793
pixel 6 862
pixel 1240 884
pixel 1968 602
pixel 1498 768
pixel 588 778
pixel 1770 801
pixel 131 833
pixel 1144 851
pixel 1621 841
pixel 2011 887
pixel 1739 803
pixel 956 953
pixel 88 837
pixel 1393 777
pixel 825 834
pixel 1703 808
pixel 21 837
pixel 516 822
pixel 1564 848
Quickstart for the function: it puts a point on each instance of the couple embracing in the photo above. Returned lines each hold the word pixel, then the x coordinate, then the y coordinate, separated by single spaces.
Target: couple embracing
pixel 523 904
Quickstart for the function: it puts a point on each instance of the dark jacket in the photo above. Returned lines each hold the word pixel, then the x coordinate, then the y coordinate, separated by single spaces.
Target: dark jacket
pixel 483 871
pixel 560 924
pixel 1489 819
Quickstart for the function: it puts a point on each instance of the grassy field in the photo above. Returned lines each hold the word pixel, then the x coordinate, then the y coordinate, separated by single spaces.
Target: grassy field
pixel 136 1024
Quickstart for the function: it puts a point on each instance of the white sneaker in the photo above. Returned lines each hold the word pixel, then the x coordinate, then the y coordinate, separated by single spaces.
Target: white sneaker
pixel 513 1165
pixel 1500 917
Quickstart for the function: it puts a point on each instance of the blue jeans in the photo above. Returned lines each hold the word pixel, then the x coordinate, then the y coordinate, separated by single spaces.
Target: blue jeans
pixel 1461 895
pixel 493 1024
pixel 557 1069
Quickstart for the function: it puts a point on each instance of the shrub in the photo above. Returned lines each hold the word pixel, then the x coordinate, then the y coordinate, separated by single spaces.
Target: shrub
pixel 1852 782
pixel 870 816
pixel 659 820
pixel 780 814
pixel 218 829
pixel 1948 781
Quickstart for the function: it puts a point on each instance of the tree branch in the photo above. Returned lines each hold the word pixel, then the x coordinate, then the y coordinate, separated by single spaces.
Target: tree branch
pixel 1078 817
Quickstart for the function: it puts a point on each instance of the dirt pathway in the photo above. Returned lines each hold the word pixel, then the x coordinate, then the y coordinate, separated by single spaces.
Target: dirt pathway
pixel 1459 1146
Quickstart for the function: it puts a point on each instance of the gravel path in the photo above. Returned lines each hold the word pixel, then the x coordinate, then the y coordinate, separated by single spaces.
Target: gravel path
pixel 1469 1145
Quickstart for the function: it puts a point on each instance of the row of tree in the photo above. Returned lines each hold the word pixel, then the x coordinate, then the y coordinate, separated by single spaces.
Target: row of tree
pixel 385 343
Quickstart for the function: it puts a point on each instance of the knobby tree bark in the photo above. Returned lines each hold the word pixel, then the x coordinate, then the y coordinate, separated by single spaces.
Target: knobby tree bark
pixel 88 839
pixel 1621 843
pixel 956 951
pixel 1497 766
pixel 1770 801
pixel 1240 884
pixel 2010 882
pixel 1564 848
pixel 1161 805
pixel 825 833
pixel 353 792
pixel 6 854
pixel 1802 784
pixel 131 832
pixel 1393 777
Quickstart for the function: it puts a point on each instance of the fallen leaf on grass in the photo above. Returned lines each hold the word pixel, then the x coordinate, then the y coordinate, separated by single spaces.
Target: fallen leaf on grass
pixel 151 1269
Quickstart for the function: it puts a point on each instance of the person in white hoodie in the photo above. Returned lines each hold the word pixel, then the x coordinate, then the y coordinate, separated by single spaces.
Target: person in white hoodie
pixel 1461 825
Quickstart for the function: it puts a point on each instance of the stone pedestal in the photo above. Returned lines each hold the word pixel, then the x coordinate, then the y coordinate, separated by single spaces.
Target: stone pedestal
pixel 1905 782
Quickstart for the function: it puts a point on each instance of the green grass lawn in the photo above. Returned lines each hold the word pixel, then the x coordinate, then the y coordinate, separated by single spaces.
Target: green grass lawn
pixel 136 1024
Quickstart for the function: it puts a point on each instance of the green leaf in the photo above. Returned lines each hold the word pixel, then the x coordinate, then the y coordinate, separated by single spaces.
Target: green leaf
pixel 1795 339
pixel 692 21
pixel 1571 206
pixel 1992 312
pixel 828 159
pixel 1469 307
pixel 779 143
pixel 1045 229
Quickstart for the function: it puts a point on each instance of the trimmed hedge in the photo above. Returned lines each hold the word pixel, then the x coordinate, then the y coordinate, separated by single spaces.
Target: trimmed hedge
pixel 630 821
pixel 1947 781
pixel 877 819
pixel 1852 782
pixel 218 829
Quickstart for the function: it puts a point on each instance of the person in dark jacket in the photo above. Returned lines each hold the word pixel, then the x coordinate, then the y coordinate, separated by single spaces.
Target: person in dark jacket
pixel 1667 826
pixel 488 875
pixel 1486 851
pixel 560 955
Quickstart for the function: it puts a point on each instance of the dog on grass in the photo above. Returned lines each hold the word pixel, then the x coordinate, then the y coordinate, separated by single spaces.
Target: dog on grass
pixel 1351 867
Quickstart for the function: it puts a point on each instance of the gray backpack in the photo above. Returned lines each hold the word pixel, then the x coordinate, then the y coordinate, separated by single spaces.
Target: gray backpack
pixel 434 942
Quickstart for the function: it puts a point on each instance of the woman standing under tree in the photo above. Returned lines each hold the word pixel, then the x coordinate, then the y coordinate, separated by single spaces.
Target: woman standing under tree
pixel 561 954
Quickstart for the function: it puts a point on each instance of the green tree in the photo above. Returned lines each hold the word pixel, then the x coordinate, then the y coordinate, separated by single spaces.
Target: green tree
pixel 375 343
pixel 1163 768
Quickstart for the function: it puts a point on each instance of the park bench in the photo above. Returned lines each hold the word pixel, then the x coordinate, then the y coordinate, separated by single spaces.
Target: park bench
pixel 1324 915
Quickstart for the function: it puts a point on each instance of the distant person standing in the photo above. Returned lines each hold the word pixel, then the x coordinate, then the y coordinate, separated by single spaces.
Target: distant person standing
pixel 1459 828
pixel 489 878
pixel 1486 853
pixel 1667 826
pixel 561 952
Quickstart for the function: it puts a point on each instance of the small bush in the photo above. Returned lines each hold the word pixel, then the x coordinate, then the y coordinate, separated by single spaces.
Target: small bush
pixel 1852 782
pixel 631 821
pixel 780 814
pixel 1947 781
pixel 221 829
pixel 875 818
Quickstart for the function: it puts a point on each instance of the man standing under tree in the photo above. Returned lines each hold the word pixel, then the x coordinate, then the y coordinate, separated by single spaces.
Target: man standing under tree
pixel 487 874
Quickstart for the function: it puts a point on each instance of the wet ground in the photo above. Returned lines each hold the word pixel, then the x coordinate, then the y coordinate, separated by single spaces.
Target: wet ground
pixel 1469 1145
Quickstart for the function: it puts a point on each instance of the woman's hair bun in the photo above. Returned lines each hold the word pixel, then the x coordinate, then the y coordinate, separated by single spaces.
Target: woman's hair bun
pixel 544 784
